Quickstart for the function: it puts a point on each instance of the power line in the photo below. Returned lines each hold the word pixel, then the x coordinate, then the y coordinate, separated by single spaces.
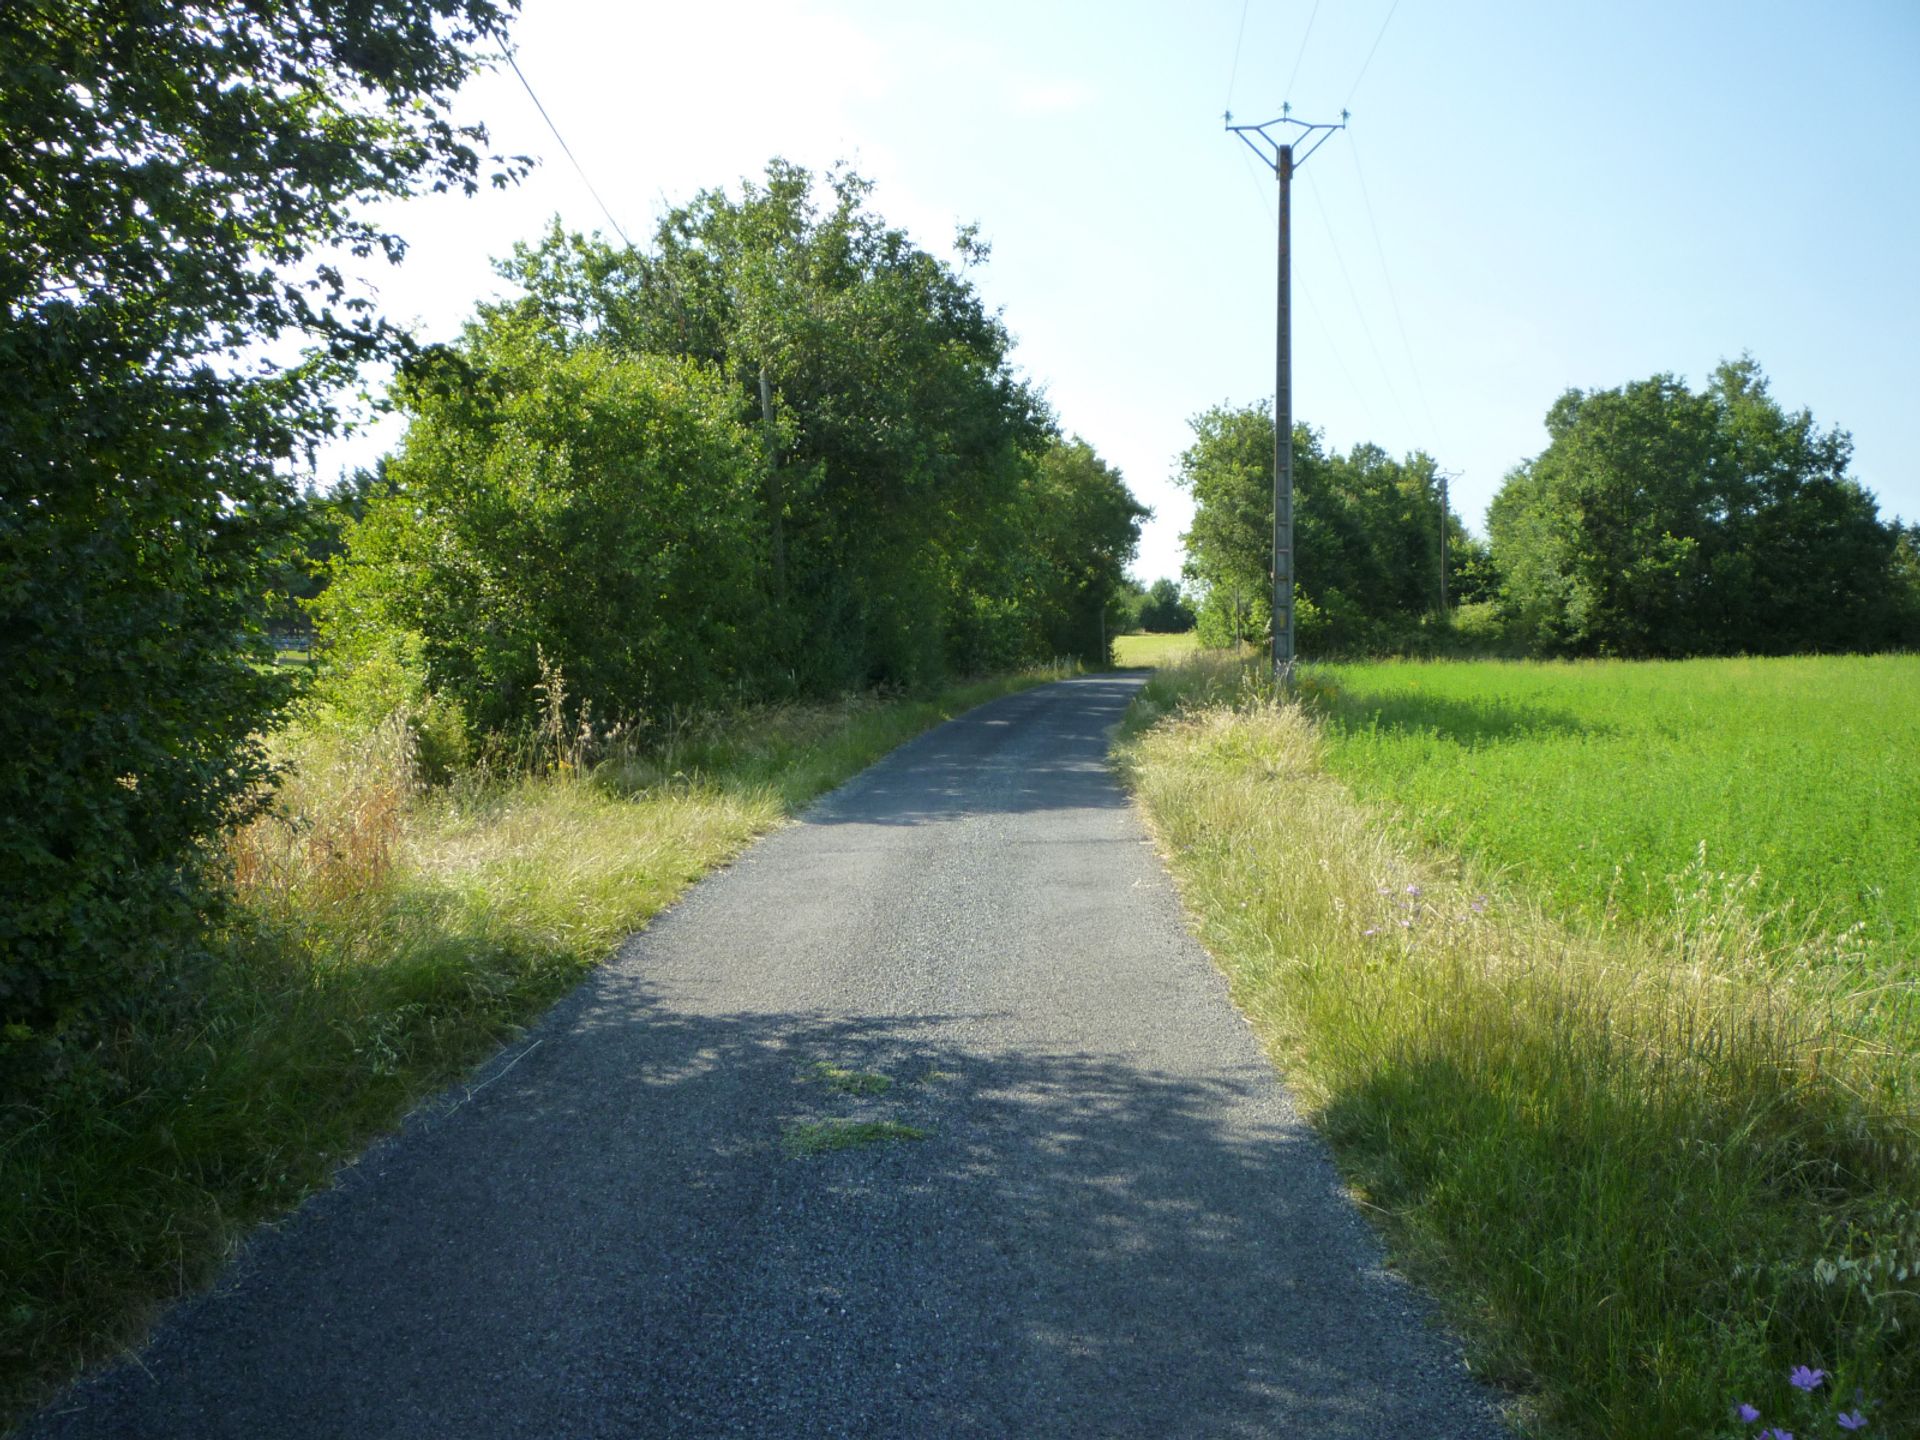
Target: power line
pixel 1266 200
pixel 1386 376
pixel 1312 15
pixel 515 64
pixel 1353 386
pixel 1376 45
pixel 1386 274
pixel 1234 74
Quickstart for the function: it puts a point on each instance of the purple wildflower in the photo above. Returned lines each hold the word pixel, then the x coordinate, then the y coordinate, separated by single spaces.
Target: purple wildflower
pixel 1413 890
pixel 1853 1421
pixel 1805 1378
pixel 1772 1433
pixel 1479 906
pixel 1745 1413
pixel 1370 932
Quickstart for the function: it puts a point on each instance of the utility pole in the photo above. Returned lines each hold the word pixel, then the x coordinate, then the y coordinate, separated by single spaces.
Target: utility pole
pixel 1276 150
pixel 1444 477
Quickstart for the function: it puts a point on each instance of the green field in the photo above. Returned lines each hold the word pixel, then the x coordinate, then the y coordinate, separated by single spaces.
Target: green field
pixel 1599 786
pixel 1143 649
pixel 1649 1165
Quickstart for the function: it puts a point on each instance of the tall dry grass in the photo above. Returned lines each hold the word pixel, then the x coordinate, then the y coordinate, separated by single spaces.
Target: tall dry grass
pixel 1651 1170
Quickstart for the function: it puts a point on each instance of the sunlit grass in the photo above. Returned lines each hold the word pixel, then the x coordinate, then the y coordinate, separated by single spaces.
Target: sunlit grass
pixel 1142 650
pixel 1650 1167
pixel 1614 789
pixel 392 936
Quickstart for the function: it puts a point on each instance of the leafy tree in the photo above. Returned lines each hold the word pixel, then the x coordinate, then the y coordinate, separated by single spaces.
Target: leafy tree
pixel 1661 521
pixel 1127 603
pixel 1166 610
pixel 894 428
pixel 1366 535
pixel 577 509
pixel 317 521
pixel 1472 576
pixel 1229 470
pixel 169 178
pixel 1080 525
pixel 903 505
pixel 1904 619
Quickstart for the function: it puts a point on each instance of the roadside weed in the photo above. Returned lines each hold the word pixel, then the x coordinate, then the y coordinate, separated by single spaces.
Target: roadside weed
pixel 804 1138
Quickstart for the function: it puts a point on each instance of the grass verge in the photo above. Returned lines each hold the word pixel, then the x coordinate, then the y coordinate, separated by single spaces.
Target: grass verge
pixel 840 1079
pixel 391 938
pixel 1648 1169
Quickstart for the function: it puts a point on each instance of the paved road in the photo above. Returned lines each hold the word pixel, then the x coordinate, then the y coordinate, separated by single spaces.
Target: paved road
pixel 1114 1224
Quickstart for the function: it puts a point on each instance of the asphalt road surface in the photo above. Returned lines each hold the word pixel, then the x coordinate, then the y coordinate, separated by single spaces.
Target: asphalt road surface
pixel 1111 1222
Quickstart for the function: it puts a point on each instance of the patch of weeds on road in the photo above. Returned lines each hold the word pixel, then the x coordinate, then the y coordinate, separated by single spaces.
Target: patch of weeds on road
pixel 849 1082
pixel 806 1138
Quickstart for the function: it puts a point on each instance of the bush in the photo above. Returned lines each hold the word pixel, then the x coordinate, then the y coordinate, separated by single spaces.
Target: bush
pixel 171 172
pixel 588 513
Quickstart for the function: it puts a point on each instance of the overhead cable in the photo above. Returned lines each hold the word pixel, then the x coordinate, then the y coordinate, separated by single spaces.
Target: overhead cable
pixel 1370 54
pixel 515 64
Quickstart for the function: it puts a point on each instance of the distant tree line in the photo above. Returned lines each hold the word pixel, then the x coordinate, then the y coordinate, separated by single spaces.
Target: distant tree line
pixel 1658 522
pixel 1164 610
pixel 781 451
pixel 1662 521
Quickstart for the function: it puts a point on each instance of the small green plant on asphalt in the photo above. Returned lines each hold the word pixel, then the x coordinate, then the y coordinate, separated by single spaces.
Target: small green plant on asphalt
pixel 805 1138
pixel 849 1082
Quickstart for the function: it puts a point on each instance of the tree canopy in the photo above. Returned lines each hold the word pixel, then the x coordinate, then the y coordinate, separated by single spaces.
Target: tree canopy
pixel 180 185
pixel 1664 521
pixel 781 450
pixel 1164 609
pixel 1366 533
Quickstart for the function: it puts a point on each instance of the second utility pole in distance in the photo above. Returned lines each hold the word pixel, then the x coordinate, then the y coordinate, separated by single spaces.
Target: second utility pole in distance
pixel 1275 146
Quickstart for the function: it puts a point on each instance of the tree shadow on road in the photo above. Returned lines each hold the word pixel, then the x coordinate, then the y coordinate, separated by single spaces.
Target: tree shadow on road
pixel 603 1234
pixel 995 761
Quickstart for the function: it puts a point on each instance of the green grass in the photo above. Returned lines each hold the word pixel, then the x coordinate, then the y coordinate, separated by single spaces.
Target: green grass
pixel 1131 651
pixel 849 1082
pixel 389 938
pixel 1617 790
pixel 806 1138
pixel 1649 1166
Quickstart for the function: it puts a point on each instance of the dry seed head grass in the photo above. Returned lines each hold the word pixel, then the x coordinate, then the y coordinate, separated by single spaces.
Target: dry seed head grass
pixel 336 823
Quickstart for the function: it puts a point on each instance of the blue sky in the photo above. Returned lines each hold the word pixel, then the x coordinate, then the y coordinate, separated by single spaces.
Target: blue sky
pixel 1531 196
